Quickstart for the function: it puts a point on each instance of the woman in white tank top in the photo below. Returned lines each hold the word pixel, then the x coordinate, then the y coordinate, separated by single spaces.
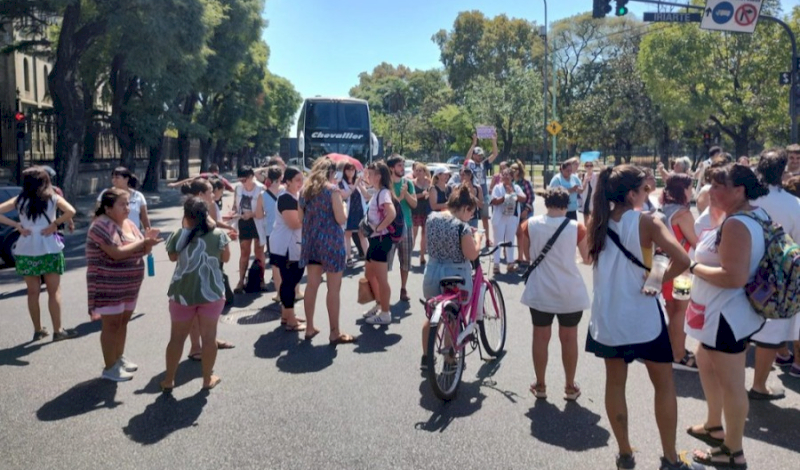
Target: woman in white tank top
pixel 719 314
pixel 627 324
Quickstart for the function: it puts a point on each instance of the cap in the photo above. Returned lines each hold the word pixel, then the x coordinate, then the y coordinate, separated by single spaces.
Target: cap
pixel 440 170
pixel 477 151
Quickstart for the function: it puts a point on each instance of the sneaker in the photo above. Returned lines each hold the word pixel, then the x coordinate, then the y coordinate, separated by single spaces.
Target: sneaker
pixel 372 312
pixel 794 371
pixel 64 334
pixel 782 361
pixel 626 462
pixel 41 334
pixel 127 365
pixel 681 464
pixel 117 374
pixel 384 318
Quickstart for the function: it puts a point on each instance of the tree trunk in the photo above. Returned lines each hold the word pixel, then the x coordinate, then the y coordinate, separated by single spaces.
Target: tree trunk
pixel 183 138
pixel 219 154
pixel 67 95
pixel 153 176
pixel 206 149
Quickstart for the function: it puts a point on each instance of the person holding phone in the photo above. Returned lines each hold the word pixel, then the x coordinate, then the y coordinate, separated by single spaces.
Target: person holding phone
pixel 475 161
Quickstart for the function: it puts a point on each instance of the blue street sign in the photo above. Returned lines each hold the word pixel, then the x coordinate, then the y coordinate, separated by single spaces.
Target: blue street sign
pixel 722 13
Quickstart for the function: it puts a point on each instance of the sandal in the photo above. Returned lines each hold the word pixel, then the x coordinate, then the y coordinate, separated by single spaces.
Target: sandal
pixel 296 327
pixel 197 357
pixel 706 436
pixel 688 363
pixel 404 296
pixel 238 290
pixel 571 393
pixel 731 464
pixel 310 336
pixel 299 320
pixel 512 268
pixel 539 391
pixel 343 339
pixel 222 344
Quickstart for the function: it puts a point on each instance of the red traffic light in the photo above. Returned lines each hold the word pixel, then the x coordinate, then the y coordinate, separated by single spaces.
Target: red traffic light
pixel 19 117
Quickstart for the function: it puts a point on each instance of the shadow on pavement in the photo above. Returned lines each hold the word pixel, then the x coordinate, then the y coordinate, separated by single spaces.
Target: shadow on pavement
pixel 773 424
pixel 374 339
pixel 11 356
pixel 188 370
pixel 17 293
pixel 791 383
pixel 468 400
pixel 574 429
pixel 165 416
pixel 267 314
pixel 487 371
pixel 687 385
pixel 82 398
pixel 300 356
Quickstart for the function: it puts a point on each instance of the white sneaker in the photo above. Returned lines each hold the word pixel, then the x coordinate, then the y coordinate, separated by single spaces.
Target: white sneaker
pixel 384 318
pixel 116 373
pixel 372 312
pixel 127 365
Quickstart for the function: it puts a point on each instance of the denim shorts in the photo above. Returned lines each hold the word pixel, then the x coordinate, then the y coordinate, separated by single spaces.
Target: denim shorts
pixel 436 270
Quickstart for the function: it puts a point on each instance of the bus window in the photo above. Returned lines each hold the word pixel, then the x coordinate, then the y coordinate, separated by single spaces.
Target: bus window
pixel 321 115
pixel 353 116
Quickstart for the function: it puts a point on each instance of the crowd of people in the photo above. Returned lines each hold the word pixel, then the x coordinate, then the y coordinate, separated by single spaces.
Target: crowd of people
pixel 317 225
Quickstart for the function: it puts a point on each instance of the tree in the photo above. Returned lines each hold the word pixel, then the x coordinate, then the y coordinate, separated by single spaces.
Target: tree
pixel 728 79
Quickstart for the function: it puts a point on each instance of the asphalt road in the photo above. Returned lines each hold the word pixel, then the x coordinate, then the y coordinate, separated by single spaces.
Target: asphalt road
pixel 285 403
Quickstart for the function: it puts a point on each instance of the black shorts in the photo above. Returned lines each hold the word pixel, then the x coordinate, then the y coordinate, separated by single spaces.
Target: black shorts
pixel 540 318
pixel 726 341
pixel 248 230
pixel 657 350
pixel 379 248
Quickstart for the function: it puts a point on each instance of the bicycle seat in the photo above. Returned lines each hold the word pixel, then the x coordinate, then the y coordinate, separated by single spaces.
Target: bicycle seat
pixel 449 280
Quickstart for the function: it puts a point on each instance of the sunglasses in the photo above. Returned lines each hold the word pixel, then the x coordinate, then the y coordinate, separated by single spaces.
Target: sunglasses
pixel 589 166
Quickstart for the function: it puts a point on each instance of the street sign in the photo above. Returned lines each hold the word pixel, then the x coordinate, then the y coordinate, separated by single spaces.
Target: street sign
pixel 654 17
pixel 554 128
pixel 785 78
pixel 737 16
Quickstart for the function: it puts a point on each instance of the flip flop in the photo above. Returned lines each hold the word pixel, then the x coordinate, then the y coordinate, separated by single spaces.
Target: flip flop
pixel 197 357
pixel 309 337
pixel 296 327
pixel 222 344
pixel 343 339
pixel 299 320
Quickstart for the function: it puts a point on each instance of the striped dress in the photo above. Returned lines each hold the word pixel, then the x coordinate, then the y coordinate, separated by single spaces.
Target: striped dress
pixel 111 282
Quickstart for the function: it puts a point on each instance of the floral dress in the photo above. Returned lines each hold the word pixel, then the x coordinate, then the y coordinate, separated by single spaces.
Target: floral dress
pixel 323 238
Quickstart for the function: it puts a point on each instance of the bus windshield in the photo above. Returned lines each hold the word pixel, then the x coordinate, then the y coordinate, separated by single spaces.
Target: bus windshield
pixel 335 126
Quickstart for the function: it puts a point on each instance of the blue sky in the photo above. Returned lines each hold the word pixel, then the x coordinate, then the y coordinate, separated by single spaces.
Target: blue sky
pixel 322 45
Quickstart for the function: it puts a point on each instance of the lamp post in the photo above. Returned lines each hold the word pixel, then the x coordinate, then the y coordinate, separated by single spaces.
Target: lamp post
pixel 546 160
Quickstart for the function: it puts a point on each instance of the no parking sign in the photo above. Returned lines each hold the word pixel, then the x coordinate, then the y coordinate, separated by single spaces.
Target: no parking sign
pixel 738 16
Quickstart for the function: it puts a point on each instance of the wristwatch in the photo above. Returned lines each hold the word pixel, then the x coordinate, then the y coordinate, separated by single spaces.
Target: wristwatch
pixel 691 267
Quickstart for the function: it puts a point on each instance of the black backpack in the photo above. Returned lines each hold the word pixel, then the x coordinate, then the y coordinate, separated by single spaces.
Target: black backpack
pixel 255 277
pixel 398 224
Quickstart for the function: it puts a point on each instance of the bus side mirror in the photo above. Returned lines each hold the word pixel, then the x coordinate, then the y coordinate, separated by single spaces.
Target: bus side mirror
pixel 373 139
pixel 301 142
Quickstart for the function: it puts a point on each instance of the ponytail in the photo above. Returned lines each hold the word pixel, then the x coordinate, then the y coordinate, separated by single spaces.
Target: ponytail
pixel 195 210
pixel 601 212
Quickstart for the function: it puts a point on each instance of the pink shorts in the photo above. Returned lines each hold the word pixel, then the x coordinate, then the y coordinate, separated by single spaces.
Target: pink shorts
pixel 116 309
pixel 182 313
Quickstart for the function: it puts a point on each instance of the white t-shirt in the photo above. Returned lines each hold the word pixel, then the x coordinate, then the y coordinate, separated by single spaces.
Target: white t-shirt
pixel 510 207
pixel 478 172
pixel 137 201
pixel 382 197
pixel 37 244
pixel 556 285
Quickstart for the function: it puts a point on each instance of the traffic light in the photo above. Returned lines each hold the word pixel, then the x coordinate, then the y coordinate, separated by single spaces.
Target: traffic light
pixel 621 9
pixel 19 118
pixel 601 8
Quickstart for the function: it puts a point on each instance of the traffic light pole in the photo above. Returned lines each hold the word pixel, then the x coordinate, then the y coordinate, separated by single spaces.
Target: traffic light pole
pixel 794 89
pixel 545 159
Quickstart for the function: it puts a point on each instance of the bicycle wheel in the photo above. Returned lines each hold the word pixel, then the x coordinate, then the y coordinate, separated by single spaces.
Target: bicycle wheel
pixel 445 359
pixel 493 323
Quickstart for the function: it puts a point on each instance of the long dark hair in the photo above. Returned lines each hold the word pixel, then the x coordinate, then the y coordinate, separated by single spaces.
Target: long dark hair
pixel 675 189
pixel 195 211
pixel 383 170
pixel 613 186
pixel 108 200
pixel 36 192
pixel 349 166
pixel 133 181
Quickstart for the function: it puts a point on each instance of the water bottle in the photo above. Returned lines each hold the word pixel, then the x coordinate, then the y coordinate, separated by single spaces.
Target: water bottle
pixel 652 285
pixel 151 265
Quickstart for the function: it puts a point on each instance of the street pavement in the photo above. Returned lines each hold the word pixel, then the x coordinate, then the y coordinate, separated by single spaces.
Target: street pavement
pixel 288 404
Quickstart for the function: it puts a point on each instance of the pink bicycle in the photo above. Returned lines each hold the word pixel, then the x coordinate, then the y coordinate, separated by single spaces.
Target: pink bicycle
pixel 454 321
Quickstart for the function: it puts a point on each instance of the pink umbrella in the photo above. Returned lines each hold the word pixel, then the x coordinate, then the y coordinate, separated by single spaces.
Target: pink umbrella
pixel 338 157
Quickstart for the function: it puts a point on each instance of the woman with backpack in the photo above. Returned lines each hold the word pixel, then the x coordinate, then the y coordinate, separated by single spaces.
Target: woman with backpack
pixel 196 291
pixel 380 214
pixel 627 323
pixel 720 316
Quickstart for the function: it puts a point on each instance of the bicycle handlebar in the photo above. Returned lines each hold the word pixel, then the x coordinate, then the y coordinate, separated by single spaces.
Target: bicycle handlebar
pixel 495 248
